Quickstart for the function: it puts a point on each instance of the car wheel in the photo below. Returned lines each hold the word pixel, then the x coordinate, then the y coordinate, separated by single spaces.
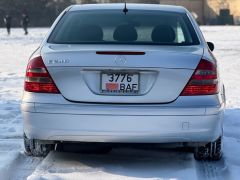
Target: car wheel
pixel 211 151
pixel 27 145
pixel 35 148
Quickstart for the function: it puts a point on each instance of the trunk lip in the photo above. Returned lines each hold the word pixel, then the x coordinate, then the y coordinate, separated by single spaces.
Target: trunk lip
pixel 194 49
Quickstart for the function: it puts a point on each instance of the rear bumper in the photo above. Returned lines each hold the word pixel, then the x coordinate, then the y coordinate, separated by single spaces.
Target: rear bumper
pixel 122 123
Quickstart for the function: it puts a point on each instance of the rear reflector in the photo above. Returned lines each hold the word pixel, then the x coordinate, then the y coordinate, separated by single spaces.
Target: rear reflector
pixel 119 53
pixel 38 79
pixel 204 81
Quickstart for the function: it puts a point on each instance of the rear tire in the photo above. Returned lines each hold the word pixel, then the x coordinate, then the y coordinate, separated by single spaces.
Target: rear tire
pixel 211 151
pixel 35 148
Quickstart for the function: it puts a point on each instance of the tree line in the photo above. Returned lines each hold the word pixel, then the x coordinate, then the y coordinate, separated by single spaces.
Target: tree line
pixel 41 12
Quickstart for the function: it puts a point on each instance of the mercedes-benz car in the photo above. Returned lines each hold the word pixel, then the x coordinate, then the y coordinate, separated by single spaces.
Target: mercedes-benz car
pixel 124 74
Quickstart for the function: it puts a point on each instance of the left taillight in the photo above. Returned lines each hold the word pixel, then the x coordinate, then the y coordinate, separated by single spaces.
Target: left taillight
pixel 38 79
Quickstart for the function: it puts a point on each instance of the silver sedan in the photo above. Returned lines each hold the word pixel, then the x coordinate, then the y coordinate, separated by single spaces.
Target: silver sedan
pixel 124 73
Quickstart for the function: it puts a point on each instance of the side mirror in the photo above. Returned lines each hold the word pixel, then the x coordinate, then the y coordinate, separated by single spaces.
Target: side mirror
pixel 210 45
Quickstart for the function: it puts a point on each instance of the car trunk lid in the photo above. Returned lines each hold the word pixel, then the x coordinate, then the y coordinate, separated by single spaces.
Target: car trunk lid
pixel 163 70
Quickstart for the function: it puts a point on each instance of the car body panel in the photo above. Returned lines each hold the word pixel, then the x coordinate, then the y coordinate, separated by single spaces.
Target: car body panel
pixel 120 6
pixel 157 115
pixel 120 128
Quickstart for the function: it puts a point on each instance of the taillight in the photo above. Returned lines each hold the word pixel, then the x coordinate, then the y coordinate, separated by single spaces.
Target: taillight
pixel 204 81
pixel 38 79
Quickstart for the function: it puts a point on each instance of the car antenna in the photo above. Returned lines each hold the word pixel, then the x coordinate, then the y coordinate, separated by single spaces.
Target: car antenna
pixel 125 10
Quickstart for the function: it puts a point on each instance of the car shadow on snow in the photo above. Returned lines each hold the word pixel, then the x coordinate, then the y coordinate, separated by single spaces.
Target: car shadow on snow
pixel 125 163
pixel 132 164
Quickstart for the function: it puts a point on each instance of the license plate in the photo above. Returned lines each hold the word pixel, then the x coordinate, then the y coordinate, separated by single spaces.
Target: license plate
pixel 120 83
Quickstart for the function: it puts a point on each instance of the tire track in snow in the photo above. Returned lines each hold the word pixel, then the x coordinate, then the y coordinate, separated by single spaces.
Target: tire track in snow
pixel 24 166
pixel 9 152
pixel 217 170
pixel 14 164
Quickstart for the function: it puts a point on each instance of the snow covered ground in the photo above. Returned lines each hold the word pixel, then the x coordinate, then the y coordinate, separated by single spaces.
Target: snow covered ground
pixel 121 163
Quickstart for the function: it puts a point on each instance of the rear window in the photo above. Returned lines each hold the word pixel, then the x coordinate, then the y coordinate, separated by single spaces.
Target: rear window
pixel 114 27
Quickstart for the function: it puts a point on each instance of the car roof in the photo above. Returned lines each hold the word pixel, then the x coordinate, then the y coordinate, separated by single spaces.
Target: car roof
pixel 108 6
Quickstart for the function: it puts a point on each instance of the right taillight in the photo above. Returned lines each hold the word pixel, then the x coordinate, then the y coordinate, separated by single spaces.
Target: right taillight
pixel 204 81
pixel 38 79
